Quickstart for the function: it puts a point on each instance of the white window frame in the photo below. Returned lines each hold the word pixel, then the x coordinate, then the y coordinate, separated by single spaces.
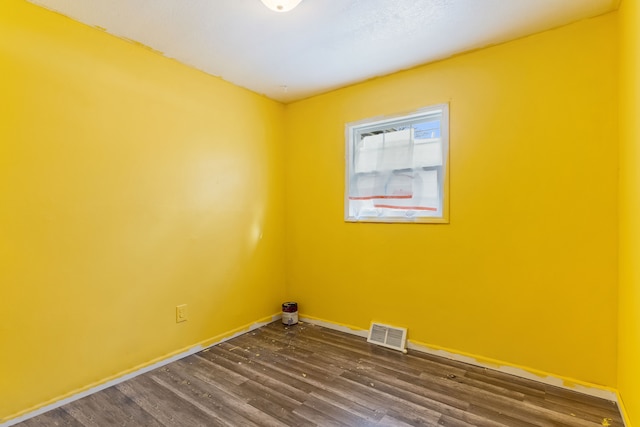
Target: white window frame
pixel 357 210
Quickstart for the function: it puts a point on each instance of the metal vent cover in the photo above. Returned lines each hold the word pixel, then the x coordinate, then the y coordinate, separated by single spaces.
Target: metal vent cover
pixel 388 336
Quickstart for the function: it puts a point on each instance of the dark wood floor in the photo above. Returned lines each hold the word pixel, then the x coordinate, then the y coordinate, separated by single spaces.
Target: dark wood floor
pixel 306 375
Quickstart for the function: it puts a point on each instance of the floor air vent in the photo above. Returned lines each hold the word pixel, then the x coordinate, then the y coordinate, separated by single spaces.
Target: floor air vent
pixel 388 336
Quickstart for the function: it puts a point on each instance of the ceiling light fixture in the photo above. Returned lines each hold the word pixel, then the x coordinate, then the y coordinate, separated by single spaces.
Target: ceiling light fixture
pixel 281 5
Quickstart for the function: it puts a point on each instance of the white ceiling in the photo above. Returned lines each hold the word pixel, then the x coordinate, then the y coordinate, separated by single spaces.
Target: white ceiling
pixel 322 44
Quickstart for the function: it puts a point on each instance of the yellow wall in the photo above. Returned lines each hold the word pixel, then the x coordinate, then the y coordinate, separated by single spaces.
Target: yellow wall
pixel 629 297
pixel 526 271
pixel 128 184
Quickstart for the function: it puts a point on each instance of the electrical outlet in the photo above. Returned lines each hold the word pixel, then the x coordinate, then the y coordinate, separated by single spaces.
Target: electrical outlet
pixel 181 313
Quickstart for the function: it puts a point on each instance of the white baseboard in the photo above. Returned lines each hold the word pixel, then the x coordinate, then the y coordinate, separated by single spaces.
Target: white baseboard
pixel 130 375
pixel 541 377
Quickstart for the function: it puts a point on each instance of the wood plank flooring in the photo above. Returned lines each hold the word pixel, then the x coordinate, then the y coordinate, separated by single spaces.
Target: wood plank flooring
pixel 306 375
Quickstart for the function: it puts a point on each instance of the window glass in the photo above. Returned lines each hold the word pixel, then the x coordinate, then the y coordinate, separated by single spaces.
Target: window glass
pixel 396 168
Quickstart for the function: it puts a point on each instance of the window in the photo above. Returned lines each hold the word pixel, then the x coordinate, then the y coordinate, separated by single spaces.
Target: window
pixel 397 168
